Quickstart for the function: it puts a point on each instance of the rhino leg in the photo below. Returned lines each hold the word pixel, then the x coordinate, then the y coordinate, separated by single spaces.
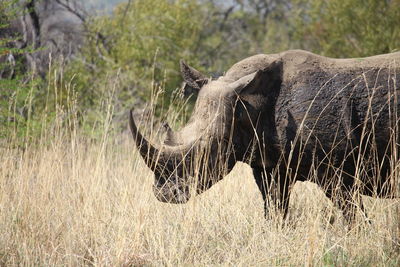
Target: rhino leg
pixel 348 202
pixel 276 190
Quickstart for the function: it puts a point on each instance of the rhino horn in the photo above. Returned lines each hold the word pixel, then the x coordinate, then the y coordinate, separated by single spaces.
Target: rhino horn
pixel 149 152
pixel 155 156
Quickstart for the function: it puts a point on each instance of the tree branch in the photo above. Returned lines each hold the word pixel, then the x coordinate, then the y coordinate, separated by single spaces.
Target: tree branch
pixel 74 11
pixel 30 6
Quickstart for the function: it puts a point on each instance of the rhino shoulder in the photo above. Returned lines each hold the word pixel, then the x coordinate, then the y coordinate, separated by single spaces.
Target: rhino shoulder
pixel 290 58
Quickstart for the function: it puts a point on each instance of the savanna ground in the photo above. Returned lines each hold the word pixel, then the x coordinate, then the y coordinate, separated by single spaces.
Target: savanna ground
pixel 68 201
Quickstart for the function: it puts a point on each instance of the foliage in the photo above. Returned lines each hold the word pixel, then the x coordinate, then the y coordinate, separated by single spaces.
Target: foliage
pixel 238 29
pixel 28 102
pixel 347 28
pixel 16 88
pixel 266 24
pixel 140 44
pixel 133 54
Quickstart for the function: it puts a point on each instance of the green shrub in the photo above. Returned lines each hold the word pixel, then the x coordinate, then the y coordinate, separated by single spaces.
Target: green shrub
pixel 137 48
pixel 347 28
pixel 17 89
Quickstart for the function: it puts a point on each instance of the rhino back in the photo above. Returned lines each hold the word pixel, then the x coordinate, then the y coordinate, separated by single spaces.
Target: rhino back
pixel 331 103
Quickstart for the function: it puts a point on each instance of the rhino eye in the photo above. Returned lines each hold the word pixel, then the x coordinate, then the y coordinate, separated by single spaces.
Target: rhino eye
pixel 239 114
pixel 239 111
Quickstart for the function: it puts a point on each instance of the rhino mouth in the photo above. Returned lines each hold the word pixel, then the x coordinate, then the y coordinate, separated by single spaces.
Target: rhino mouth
pixel 171 193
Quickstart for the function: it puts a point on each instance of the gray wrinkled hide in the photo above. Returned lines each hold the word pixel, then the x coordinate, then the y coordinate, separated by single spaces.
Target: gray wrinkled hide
pixel 324 119
pixel 292 116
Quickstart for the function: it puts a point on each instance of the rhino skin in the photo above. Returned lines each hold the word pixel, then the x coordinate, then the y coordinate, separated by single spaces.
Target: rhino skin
pixel 292 116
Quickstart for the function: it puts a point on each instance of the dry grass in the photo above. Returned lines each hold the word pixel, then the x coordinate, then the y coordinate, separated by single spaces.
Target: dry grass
pixel 71 203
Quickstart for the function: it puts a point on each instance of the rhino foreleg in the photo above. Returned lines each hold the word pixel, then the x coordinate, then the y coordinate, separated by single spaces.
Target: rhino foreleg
pixel 273 189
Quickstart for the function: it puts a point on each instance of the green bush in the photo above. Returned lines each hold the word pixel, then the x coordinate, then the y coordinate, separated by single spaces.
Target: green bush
pixel 131 57
pixel 17 89
pixel 347 28
pixel 137 50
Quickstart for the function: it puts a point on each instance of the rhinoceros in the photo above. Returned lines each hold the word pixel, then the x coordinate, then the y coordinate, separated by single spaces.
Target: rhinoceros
pixel 292 116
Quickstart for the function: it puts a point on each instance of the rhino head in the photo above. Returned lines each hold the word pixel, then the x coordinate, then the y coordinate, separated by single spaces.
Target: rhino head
pixel 206 149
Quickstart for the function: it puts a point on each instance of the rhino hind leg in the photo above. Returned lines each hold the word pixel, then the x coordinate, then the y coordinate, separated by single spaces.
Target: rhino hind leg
pixel 276 190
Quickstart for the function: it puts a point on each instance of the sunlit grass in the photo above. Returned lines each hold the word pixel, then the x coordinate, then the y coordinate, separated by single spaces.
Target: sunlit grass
pixel 66 204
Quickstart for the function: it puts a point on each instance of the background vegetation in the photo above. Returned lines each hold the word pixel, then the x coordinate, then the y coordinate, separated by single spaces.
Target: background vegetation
pixel 348 28
pixel 139 44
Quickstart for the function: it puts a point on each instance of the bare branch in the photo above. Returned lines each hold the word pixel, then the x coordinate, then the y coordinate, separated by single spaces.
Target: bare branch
pixel 30 6
pixel 73 10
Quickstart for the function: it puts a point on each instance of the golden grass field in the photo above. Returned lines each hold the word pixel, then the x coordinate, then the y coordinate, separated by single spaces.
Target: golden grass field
pixel 72 203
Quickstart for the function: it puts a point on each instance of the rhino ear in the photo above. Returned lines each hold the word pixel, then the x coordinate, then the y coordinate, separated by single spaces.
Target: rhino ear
pixel 193 78
pixel 248 84
pixel 261 81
